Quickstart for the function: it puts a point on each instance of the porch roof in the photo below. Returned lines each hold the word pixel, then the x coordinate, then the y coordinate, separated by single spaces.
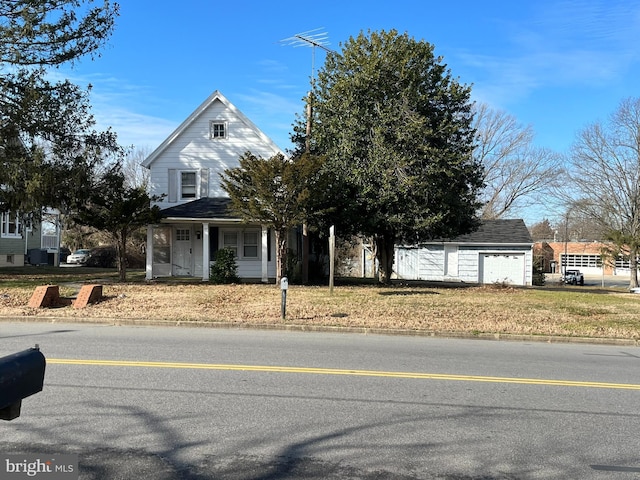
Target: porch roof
pixel 215 208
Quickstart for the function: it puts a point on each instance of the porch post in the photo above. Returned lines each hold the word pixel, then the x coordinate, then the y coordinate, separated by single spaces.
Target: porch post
pixel 265 255
pixel 205 252
pixel 149 262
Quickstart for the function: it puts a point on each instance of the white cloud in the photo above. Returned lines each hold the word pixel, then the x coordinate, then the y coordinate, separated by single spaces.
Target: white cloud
pixel 117 104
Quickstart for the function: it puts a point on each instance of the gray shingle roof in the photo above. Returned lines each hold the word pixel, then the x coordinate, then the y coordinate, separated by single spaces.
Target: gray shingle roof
pixel 211 208
pixel 498 231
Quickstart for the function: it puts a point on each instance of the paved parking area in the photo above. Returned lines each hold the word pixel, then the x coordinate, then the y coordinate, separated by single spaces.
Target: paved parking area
pixel 612 281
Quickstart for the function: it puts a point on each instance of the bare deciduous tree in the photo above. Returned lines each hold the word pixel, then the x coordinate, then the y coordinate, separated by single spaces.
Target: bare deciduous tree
pixel 606 171
pixel 136 175
pixel 516 173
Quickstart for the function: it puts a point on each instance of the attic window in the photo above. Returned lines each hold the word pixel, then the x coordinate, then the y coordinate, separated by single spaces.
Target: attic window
pixel 217 129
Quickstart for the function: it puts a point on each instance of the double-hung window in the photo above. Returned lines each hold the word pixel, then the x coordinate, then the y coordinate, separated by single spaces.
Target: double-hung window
pixel 10 226
pixel 250 244
pixel 188 185
pixel 230 241
pixel 244 243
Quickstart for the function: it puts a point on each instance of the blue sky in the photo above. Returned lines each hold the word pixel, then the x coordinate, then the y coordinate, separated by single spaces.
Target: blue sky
pixel 555 65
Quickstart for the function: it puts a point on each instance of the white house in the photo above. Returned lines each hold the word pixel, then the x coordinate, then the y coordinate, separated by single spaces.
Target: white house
pixel 500 251
pixel 186 169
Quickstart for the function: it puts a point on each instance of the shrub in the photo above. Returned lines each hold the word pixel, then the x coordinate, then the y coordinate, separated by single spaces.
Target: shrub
pixel 225 269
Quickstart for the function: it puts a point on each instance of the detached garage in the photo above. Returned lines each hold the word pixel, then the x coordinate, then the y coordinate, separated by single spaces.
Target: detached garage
pixel 500 251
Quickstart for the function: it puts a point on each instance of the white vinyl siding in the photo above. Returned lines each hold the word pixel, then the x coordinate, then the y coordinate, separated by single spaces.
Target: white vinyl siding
pixel 193 150
pixel 452 262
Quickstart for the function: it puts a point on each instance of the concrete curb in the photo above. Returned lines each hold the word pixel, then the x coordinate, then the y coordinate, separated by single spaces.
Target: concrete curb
pixel 331 329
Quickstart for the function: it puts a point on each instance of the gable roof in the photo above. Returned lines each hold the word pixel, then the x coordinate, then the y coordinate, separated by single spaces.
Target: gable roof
pixel 215 96
pixel 510 231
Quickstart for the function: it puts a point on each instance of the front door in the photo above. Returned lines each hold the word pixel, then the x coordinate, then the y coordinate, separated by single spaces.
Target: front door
pixel 182 252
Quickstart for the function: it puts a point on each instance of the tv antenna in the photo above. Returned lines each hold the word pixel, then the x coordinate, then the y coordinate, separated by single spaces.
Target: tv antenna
pixel 311 38
pixel 315 38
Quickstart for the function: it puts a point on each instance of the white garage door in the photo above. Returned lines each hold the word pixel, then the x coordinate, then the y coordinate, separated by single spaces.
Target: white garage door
pixel 502 268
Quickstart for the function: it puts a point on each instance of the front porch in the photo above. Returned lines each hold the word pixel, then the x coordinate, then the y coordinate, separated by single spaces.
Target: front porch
pixel 188 248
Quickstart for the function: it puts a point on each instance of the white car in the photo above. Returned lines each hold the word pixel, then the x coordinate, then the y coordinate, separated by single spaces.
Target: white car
pixel 79 256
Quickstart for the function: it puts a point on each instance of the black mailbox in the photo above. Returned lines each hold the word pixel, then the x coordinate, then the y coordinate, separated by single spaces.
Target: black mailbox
pixel 21 375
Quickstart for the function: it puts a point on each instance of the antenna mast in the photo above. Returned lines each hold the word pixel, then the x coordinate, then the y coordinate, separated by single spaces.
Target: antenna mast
pixel 314 39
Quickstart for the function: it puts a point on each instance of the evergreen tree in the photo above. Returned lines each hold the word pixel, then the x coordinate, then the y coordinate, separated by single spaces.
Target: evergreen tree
pixel 396 130
pixel 48 145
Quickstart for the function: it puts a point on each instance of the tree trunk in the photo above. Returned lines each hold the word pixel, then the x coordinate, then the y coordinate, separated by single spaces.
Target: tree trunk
pixel 385 248
pixel 281 253
pixel 121 256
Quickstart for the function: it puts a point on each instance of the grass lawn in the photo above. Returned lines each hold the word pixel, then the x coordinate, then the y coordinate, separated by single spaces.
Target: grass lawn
pixel 426 307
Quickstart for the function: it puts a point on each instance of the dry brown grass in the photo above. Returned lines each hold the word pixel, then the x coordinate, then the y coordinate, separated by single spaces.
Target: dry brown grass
pixel 578 312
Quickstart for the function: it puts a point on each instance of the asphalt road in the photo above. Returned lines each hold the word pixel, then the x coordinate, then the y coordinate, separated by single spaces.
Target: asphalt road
pixel 189 403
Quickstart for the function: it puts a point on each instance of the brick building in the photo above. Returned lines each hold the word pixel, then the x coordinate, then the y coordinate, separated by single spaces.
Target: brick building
pixel 584 256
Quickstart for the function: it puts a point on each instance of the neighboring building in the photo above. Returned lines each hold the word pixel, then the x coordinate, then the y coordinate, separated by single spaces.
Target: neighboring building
pixel 29 244
pixel 584 256
pixel 186 169
pixel 500 251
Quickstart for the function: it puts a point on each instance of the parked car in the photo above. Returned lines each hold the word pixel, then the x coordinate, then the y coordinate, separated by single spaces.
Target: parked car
pixel 79 256
pixel 573 277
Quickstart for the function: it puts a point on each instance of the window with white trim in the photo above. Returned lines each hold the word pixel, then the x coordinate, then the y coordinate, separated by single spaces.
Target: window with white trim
pixel 217 130
pixel 245 244
pixel 581 260
pixel 250 244
pixel 10 226
pixel 188 184
pixel 230 241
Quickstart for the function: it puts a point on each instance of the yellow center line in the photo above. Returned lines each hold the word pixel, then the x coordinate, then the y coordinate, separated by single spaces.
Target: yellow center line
pixel 337 371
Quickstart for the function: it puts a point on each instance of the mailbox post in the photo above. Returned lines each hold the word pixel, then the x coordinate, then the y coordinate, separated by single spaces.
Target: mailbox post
pixel 284 286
